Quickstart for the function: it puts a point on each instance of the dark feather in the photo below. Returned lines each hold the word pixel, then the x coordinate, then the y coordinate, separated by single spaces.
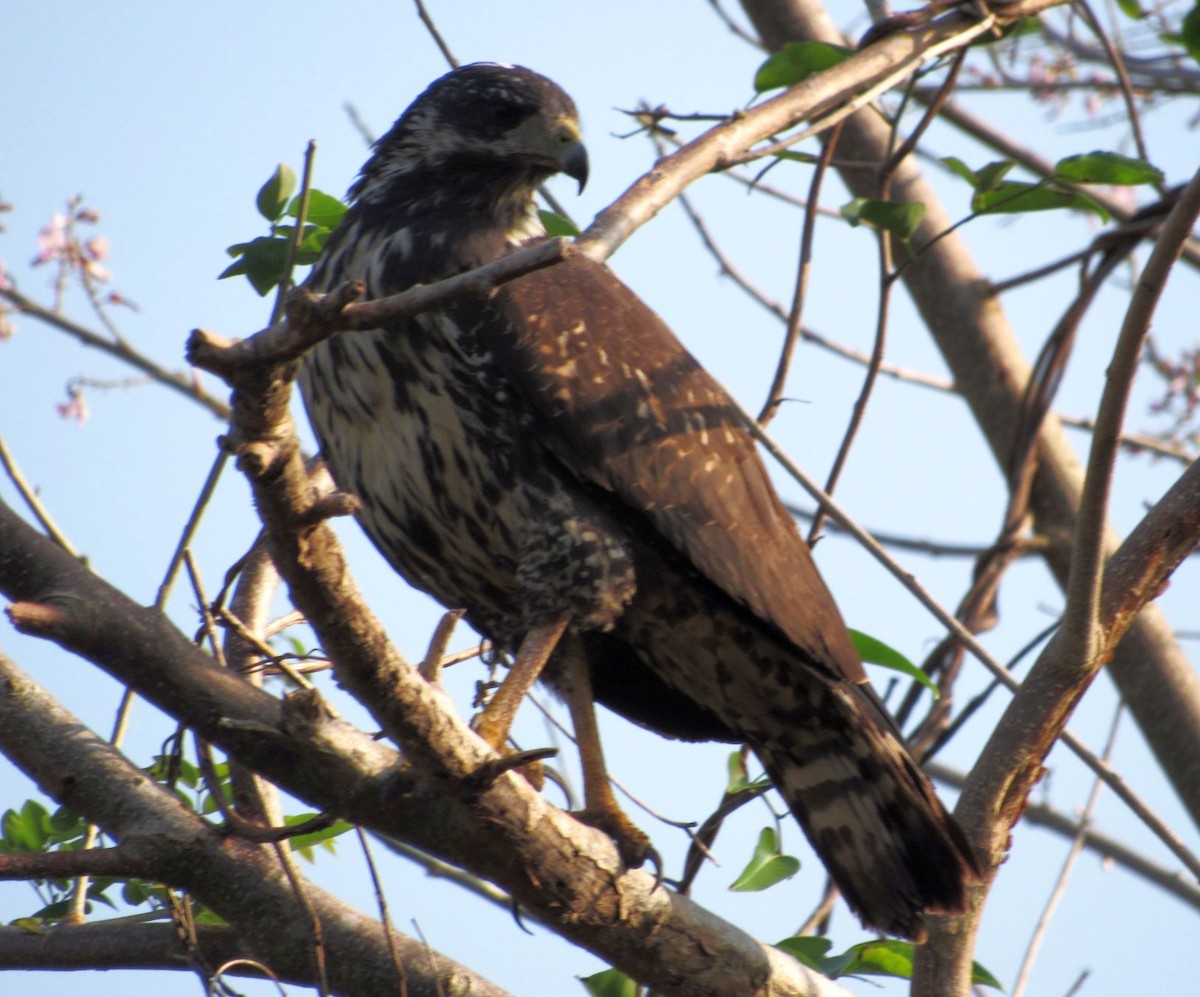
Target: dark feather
pixel 553 452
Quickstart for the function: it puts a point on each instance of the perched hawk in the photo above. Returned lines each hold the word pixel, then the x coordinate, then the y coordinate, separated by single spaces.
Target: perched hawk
pixel 551 460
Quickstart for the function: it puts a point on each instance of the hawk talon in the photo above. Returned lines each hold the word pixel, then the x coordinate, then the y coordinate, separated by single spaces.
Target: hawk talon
pixel 486 775
pixel 633 844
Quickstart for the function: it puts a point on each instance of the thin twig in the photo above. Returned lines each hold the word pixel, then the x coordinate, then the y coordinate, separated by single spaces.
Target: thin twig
pixel 1064 876
pixel 1081 617
pixel 127 354
pixel 189 529
pixel 29 494
pixel 436 35
pixel 1107 848
pixel 1117 61
pixel 804 268
pixel 285 282
pixel 433 973
pixel 381 900
pixel 1144 813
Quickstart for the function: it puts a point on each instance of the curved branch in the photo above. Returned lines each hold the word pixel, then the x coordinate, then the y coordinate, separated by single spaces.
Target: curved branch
pixel 117 348
pixel 237 879
pixel 566 873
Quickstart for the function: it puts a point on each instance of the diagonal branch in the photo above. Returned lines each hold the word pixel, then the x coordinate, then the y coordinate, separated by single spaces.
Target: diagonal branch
pixel 159 835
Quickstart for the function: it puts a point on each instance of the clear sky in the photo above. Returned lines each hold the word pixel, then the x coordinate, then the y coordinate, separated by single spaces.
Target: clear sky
pixel 168 117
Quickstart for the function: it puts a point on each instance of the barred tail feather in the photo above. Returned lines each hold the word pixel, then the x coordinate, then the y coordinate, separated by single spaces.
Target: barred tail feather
pixel 873 818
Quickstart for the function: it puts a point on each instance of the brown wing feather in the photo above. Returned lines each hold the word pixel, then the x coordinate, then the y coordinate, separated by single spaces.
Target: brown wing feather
pixel 625 406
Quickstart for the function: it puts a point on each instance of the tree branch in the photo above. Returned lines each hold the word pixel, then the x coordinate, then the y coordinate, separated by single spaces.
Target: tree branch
pixel 239 880
pixel 566 873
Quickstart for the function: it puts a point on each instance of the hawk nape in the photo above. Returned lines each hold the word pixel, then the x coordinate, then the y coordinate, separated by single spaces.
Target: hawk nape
pixel 551 460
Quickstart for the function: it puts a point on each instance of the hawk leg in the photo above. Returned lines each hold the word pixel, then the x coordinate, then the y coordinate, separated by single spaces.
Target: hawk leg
pixel 496 720
pixel 600 807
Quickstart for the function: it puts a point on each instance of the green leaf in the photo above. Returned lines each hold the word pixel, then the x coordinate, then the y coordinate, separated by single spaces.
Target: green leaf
pixel 876 958
pixel 26 830
pixel 1106 167
pixel 324 210
pixel 808 949
pixel 739 778
pixel 66 824
pixel 261 261
pixel 556 225
pixel 57 911
pixel 901 218
pixel 609 983
pixel 137 891
pixel 876 652
pixel 273 195
pixel 1189 31
pixel 988 178
pixel 204 915
pixel 881 957
pixel 797 61
pixel 767 866
pixel 304 843
pixel 1131 9
pixel 961 169
pixel 1016 198
pixel 983 977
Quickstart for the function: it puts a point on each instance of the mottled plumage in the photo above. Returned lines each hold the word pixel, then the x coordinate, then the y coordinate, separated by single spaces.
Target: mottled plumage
pixel 553 453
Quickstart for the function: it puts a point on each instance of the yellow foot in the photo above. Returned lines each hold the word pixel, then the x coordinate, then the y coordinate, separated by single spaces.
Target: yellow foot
pixel 632 842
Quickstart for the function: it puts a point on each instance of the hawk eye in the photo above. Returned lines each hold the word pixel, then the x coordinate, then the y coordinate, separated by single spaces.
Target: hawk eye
pixel 508 116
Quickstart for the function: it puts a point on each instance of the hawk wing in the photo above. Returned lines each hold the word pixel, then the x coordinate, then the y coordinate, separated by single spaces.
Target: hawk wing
pixel 623 405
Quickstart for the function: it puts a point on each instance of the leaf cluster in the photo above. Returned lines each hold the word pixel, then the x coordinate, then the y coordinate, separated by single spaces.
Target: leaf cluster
pixel 264 260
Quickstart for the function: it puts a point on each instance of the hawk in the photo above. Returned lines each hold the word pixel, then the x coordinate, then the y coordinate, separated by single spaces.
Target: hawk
pixel 552 461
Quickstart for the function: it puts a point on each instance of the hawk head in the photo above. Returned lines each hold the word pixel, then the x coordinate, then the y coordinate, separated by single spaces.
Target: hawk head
pixel 483 130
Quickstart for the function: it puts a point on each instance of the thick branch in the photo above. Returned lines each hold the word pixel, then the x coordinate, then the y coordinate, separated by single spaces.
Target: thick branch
pixel 66 865
pixel 122 945
pixel 239 880
pixel 567 874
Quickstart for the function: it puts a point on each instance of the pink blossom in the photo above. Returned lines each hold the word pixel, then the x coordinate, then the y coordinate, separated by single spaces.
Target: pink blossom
pixel 52 240
pixel 74 408
pixel 97 247
pixel 97 272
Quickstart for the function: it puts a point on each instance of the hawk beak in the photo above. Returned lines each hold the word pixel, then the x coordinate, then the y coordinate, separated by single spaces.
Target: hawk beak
pixel 574 162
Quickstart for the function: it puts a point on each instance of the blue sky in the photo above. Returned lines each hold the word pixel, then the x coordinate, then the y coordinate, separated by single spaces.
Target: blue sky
pixel 168 117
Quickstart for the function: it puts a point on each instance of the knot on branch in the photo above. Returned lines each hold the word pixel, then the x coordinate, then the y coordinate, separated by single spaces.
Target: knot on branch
pixel 308 310
pixel 304 711
pixel 329 506
pixel 38 619
pixel 262 457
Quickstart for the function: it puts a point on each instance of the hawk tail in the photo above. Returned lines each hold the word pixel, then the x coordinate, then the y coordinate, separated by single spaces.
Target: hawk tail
pixel 873 818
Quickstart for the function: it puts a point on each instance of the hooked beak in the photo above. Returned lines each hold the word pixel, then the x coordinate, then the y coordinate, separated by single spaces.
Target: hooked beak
pixel 573 161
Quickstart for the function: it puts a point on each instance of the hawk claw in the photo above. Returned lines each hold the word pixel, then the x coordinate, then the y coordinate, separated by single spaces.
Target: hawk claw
pixel 491 770
pixel 633 844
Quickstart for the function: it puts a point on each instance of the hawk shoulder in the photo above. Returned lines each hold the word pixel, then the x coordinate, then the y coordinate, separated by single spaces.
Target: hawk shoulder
pixel 623 405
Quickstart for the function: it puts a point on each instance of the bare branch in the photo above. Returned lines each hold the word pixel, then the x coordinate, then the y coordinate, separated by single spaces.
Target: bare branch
pixel 239 880
pixel 119 349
